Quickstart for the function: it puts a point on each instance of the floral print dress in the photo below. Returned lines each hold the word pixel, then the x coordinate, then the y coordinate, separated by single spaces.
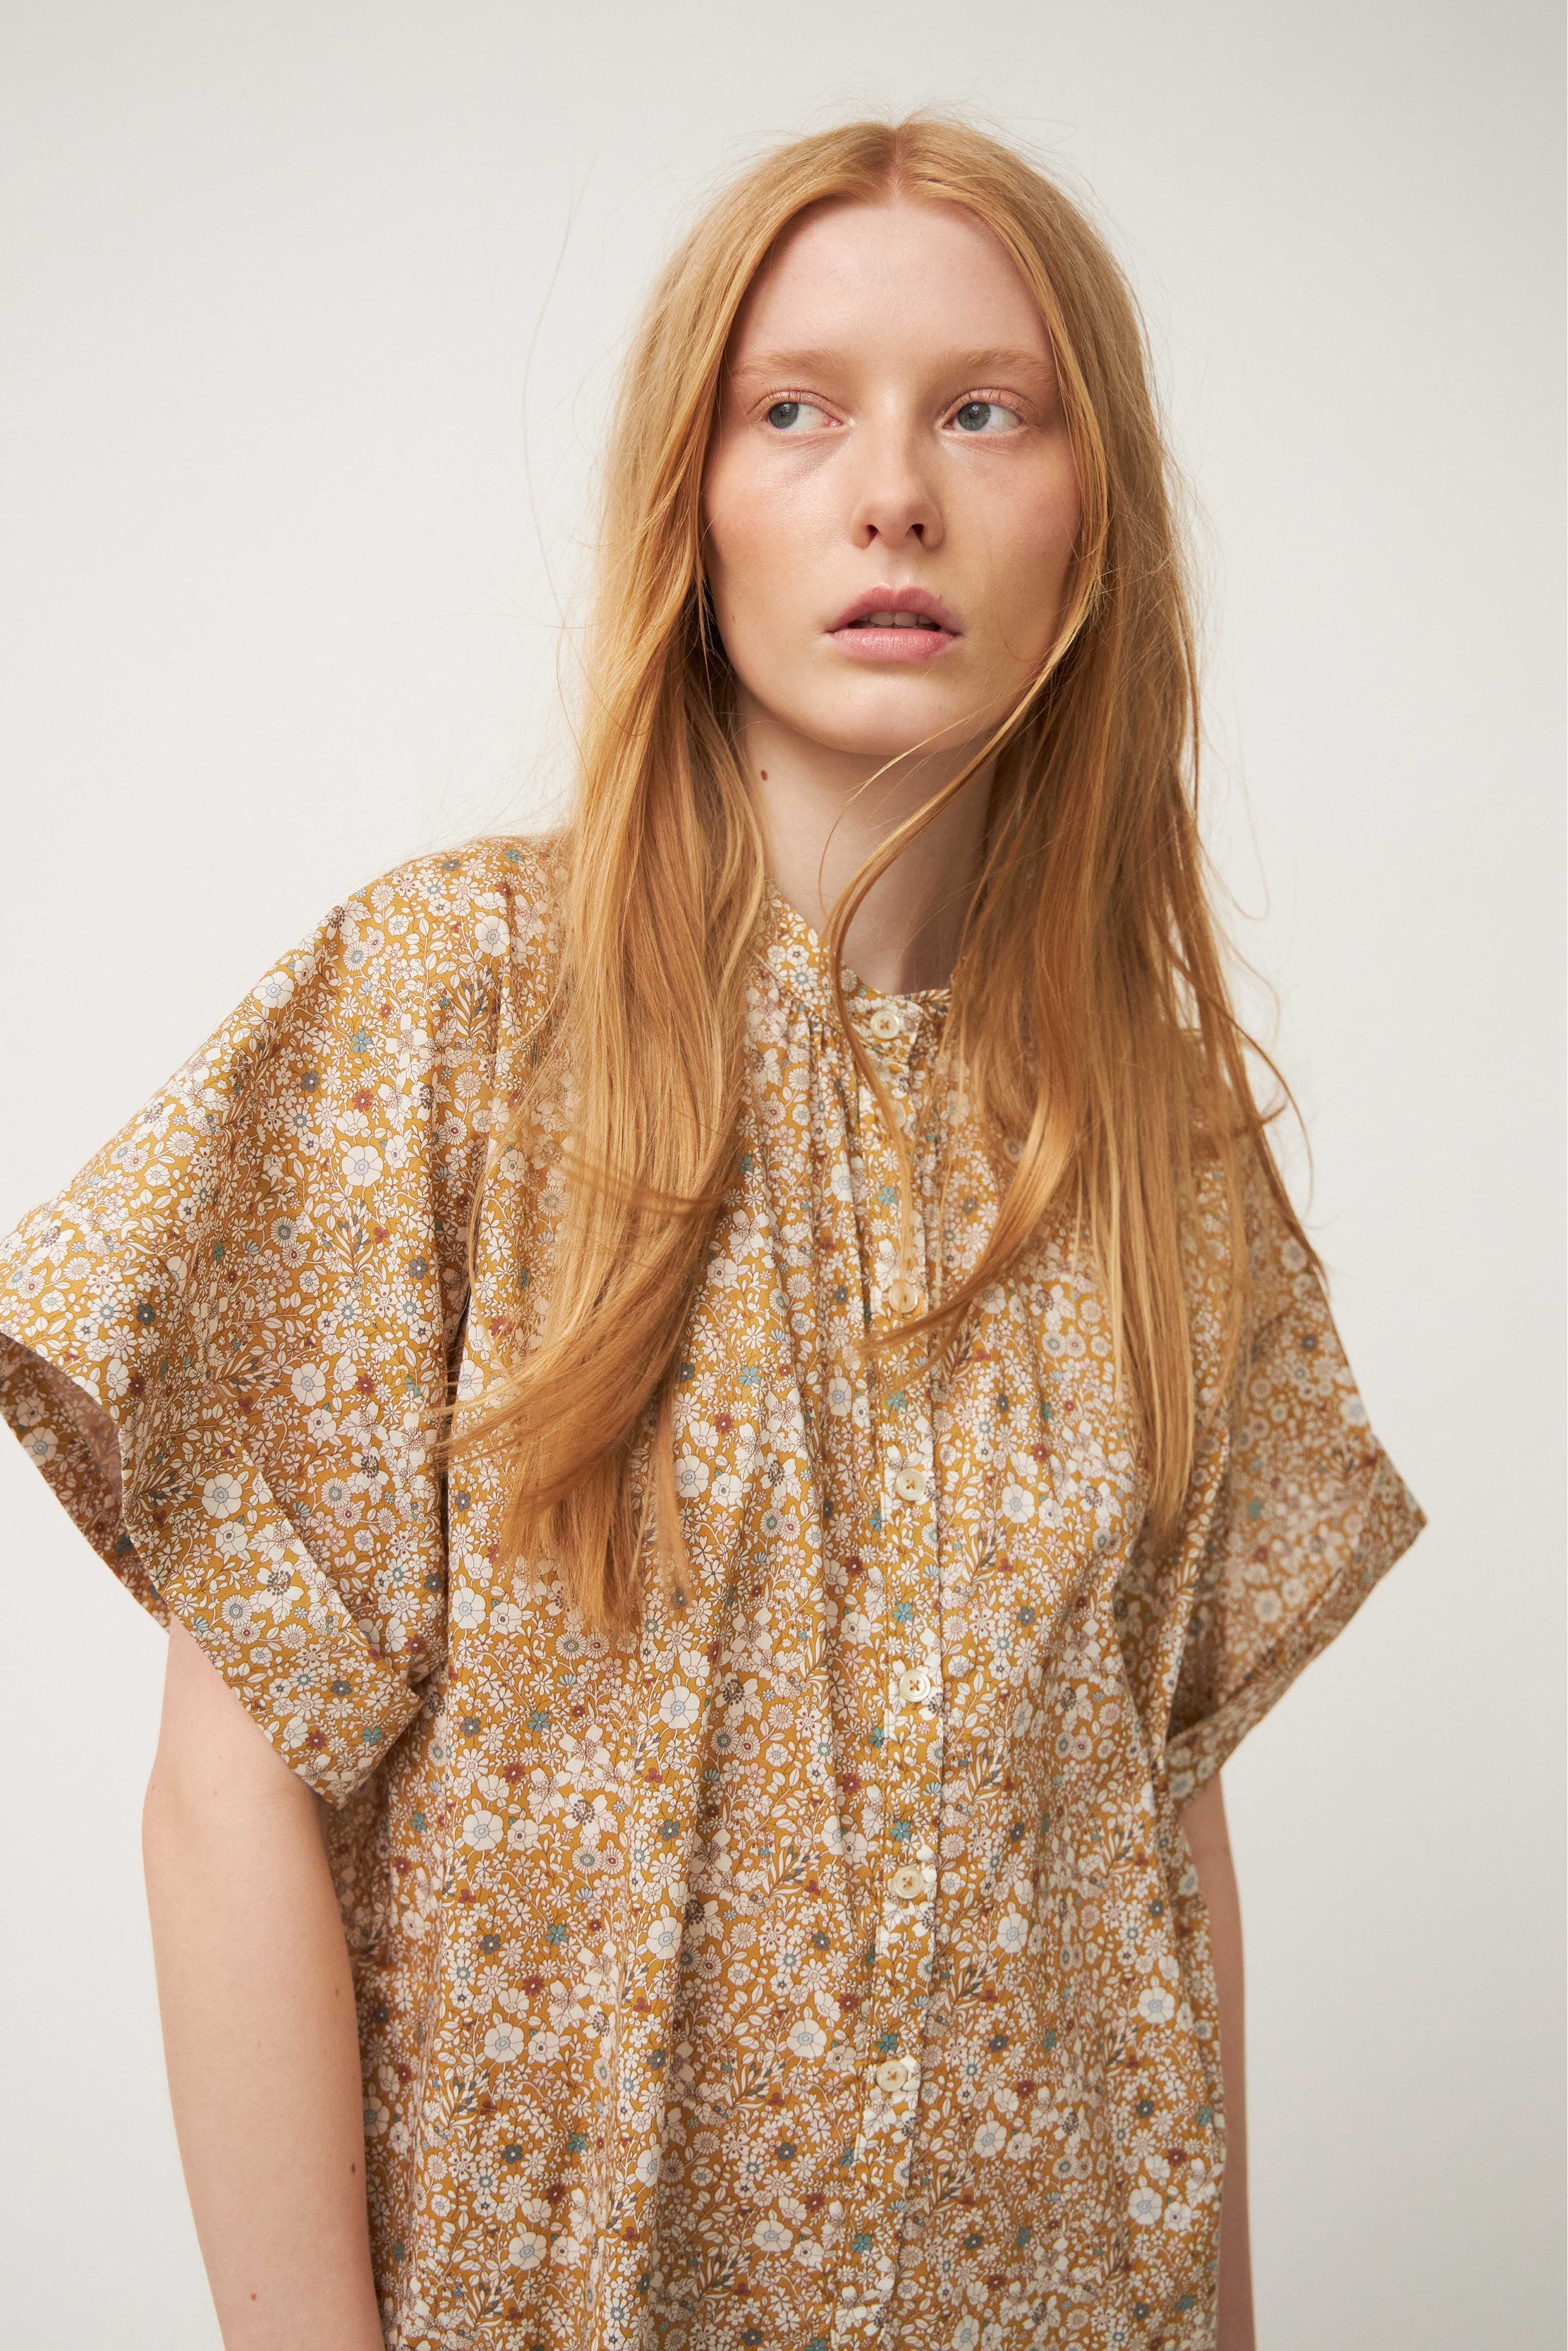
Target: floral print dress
pixel 826 1964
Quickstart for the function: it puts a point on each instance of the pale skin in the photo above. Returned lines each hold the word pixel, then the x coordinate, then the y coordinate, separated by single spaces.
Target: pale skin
pixel 259 2030
pixel 891 422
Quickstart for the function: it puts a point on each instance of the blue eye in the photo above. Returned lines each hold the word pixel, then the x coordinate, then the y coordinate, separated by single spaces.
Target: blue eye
pixel 796 416
pixel 984 416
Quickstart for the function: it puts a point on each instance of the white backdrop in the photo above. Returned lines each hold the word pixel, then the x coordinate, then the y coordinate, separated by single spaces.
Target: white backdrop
pixel 311 313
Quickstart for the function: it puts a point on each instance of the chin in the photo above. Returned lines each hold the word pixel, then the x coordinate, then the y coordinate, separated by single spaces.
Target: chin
pixel 888 727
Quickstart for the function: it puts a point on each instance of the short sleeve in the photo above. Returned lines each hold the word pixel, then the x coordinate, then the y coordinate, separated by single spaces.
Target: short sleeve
pixel 227 1341
pixel 1294 1514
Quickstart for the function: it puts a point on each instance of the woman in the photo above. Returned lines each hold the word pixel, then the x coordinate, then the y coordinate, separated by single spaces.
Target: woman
pixel 770 1736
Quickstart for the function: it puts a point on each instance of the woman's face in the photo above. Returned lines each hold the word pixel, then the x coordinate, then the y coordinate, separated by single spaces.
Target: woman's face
pixel 891 449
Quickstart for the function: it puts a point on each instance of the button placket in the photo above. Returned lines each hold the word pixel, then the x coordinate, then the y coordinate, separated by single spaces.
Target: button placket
pixel 908 1746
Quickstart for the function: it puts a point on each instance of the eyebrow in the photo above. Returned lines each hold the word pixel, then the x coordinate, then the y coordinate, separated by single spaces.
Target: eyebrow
pixel 973 364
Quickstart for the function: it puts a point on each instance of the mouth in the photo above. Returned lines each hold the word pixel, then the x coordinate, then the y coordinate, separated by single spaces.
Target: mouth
pixel 897 624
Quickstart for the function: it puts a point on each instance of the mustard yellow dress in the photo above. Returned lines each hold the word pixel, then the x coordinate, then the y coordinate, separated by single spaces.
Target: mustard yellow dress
pixel 827 1966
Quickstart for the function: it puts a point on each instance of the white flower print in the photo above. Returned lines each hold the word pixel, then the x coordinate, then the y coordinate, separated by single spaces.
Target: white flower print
pixel 276 1597
pixel 274 991
pixel 679 1706
pixel 222 1496
pixel 664 1937
pixel 691 1476
pixel 361 1165
pixel 651 1909
pixel 1012 1932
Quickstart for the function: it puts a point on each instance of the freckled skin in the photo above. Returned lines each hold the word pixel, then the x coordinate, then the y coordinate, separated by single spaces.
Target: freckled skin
pixel 882 322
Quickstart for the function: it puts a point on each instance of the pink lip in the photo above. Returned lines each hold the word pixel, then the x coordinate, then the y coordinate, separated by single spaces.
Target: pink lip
pixel 849 631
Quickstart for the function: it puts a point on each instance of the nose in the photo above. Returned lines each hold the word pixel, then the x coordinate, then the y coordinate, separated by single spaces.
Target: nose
pixel 893 497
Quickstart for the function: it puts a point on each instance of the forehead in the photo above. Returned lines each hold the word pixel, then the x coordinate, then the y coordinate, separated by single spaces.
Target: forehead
pixel 917 279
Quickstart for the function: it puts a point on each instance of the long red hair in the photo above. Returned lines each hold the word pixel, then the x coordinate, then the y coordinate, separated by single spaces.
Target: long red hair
pixel 1091 1009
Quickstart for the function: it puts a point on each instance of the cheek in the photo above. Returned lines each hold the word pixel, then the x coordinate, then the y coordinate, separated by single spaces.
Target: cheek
pixel 766 514
pixel 1031 539
pixel 1047 527
pixel 759 554
pixel 747 528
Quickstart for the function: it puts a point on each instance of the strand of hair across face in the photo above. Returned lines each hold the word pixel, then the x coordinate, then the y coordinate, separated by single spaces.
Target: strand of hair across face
pixel 1091 1022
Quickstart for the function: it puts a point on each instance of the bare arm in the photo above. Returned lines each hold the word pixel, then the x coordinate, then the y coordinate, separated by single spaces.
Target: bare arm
pixel 259 2029
pixel 1203 1818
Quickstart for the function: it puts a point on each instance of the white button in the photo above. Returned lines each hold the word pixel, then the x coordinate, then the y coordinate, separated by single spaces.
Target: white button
pixel 903 1295
pixel 915 1686
pixel 908 1883
pixel 884 1022
pixel 892 2075
pixel 909 1485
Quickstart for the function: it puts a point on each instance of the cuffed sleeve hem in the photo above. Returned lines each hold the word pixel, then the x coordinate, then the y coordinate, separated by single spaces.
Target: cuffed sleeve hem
pixel 1393 1520
pixel 212 1546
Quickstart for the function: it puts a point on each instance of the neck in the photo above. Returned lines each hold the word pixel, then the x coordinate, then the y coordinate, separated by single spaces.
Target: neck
pixel 822 818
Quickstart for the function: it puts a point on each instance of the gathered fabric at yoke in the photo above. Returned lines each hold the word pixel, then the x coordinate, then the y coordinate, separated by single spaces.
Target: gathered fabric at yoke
pixel 824 1964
